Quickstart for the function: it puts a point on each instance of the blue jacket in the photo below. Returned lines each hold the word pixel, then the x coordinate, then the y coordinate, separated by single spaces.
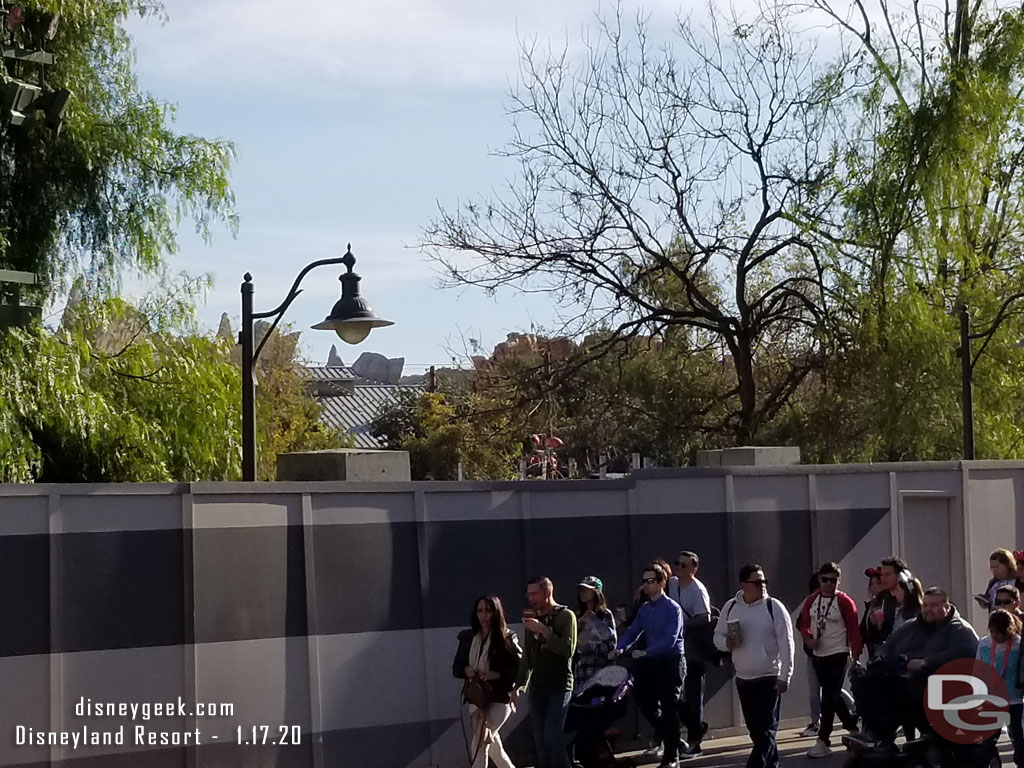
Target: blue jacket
pixel 661 624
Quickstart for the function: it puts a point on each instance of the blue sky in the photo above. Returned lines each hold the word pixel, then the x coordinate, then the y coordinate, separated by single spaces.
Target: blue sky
pixel 352 121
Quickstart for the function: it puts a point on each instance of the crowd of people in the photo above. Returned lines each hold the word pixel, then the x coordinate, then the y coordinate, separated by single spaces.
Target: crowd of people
pixel 886 646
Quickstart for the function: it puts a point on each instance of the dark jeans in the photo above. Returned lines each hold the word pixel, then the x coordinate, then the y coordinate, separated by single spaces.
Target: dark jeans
pixel 831 672
pixel 691 712
pixel 1016 730
pixel 547 716
pixel 658 684
pixel 760 701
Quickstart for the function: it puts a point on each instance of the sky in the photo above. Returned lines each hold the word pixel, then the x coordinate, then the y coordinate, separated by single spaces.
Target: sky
pixel 353 121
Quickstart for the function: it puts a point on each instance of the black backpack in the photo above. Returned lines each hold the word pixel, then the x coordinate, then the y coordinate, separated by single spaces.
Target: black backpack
pixel 699 642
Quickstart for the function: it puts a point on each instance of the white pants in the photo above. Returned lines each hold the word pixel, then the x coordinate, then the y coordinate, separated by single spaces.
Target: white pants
pixel 497 714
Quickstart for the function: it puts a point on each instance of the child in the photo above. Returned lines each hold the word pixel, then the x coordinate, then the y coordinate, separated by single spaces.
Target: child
pixel 1001 649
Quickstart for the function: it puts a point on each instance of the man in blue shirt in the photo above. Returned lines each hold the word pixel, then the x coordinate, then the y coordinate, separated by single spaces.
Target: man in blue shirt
pixel 658 669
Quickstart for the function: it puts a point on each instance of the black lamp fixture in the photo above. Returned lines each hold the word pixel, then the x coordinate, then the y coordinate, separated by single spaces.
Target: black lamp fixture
pixel 352 319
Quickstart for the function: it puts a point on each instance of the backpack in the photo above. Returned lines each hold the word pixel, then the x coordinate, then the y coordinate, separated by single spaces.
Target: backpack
pixel 699 642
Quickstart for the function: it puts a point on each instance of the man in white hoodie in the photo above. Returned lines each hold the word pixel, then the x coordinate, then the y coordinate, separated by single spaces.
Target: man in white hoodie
pixel 756 629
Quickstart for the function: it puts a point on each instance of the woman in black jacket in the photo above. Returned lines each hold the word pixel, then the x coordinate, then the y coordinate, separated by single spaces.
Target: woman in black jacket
pixel 489 651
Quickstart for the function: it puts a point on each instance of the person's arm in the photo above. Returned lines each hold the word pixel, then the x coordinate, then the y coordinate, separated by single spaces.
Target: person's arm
pixel 697 613
pixel 784 637
pixel 632 633
pixel 669 626
pixel 848 609
pixel 804 622
pixel 720 628
pixel 961 644
pixel 462 654
pixel 561 641
pixel 526 663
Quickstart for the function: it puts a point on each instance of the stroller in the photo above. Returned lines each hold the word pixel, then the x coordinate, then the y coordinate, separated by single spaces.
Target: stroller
pixel 595 706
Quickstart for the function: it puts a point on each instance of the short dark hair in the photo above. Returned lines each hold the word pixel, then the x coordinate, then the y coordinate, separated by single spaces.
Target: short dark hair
pixel 1011 590
pixel 747 570
pixel 896 563
pixel 937 592
pixel 830 567
pixel 658 571
pixel 690 556
pixel 542 581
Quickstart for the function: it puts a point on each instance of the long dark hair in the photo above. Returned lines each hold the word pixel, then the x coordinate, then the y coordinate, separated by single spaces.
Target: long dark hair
pixel 600 604
pixel 912 596
pixel 499 627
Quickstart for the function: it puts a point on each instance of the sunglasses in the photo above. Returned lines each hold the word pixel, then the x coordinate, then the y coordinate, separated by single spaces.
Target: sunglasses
pixel 1003 602
pixel 758 583
pixel 828 579
pixel 649 581
pixel 681 564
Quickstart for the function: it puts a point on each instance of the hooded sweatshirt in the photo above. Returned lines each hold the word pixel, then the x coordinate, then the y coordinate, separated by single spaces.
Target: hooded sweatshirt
pixel 952 638
pixel 766 640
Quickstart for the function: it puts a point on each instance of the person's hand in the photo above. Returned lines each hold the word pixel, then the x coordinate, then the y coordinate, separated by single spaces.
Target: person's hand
pixel 638 654
pixel 470 673
pixel 915 665
pixel 730 643
pixel 811 642
pixel 513 698
pixel 535 626
pixel 613 655
pixel 587 614
pixel 781 685
pixel 877 618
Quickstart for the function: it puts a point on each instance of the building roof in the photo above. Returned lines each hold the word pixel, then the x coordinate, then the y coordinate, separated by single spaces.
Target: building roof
pixel 330 373
pixel 354 411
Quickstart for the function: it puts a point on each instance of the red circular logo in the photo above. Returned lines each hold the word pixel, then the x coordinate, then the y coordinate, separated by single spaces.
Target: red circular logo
pixel 967 701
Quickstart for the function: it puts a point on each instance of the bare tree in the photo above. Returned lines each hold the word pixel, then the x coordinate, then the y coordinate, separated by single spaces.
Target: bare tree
pixel 669 186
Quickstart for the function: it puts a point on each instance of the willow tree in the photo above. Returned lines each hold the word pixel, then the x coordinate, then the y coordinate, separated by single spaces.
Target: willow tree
pixel 106 193
pixel 932 218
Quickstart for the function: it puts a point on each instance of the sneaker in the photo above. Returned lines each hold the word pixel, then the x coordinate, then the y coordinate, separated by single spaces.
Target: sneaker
pixel 810 730
pixel 669 764
pixel 654 751
pixel 820 749
pixel 690 751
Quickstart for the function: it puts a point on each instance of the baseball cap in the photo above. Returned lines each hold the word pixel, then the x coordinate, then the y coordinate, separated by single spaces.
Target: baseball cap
pixel 591 581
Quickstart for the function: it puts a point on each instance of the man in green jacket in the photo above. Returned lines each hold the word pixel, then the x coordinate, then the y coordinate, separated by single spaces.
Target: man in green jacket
pixel 546 670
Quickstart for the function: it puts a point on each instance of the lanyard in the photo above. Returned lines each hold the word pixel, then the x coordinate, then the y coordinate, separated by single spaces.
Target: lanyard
pixel 822 616
pixel 1006 656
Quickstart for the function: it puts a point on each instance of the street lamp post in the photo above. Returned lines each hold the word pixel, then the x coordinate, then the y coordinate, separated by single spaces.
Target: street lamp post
pixel 351 318
pixel 966 382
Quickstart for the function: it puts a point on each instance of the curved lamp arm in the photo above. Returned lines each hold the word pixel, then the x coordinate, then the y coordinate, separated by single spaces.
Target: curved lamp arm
pixel 292 294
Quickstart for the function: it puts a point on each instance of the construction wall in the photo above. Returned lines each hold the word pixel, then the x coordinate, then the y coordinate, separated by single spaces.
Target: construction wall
pixel 327 612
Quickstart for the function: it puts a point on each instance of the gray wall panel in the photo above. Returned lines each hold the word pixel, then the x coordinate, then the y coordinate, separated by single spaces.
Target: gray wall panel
pixel 250 583
pixel 367 577
pixel 493 505
pixel 20 515
pixel 659 497
pixel 759 493
pixel 467 559
pixel 852 491
pixel 25 590
pixel 121 590
pixel 362 508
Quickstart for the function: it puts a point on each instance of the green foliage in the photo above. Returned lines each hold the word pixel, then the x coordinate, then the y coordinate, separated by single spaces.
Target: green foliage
pixel 107 194
pixel 125 393
pixel 441 430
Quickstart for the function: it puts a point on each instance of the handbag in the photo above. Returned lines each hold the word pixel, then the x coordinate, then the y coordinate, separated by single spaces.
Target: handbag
pixel 478 692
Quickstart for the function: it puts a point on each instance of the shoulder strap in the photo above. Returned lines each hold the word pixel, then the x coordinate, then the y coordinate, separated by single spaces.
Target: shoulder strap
pixel 728 608
pixel 771 607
